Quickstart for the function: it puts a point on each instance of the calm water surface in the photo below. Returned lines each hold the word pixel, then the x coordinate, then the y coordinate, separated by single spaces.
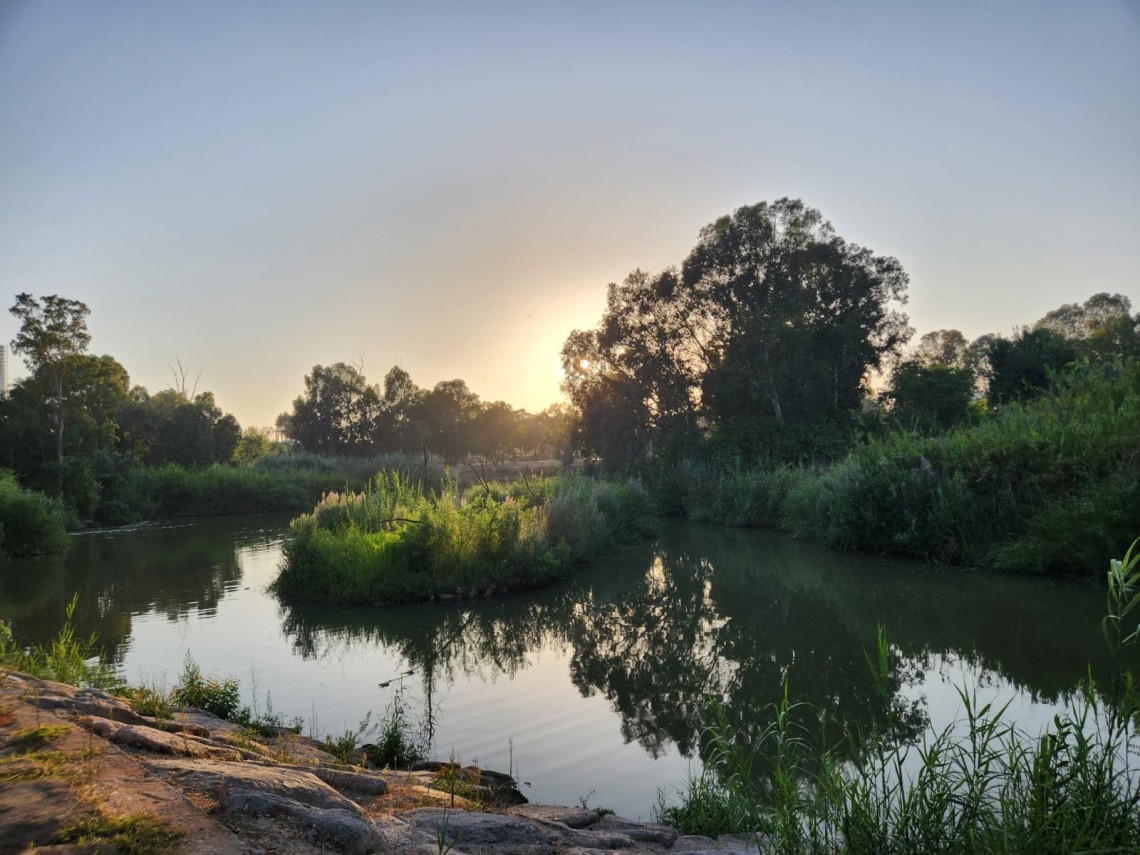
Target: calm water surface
pixel 598 688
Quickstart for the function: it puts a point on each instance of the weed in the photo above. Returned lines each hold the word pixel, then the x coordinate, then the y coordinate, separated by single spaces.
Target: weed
pixel 135 834
pixel 220 696
pixel 67 658
pixel 396 745
pixel 150 699
pixel 34 738
pixel 343 746
pixel 980 785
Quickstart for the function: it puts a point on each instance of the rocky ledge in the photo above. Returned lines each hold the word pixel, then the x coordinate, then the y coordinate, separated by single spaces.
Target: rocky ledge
pixel 69 755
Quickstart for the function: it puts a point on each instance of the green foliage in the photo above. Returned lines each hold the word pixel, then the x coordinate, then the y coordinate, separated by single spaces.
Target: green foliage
pixel 1047 485
pixel 218 695
pixel 342 747
pixel 150 699
pixel 30 523
pixel 930 397
pixel 394 543
pixel 397 745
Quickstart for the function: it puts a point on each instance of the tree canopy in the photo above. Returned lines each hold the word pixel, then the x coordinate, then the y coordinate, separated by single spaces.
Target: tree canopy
pixel 762 340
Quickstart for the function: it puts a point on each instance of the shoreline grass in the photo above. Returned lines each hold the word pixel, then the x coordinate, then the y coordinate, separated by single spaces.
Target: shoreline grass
pixel 980 785
pixel 1047 486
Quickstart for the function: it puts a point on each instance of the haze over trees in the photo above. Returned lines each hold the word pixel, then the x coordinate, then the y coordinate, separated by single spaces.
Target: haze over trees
pixel 341 413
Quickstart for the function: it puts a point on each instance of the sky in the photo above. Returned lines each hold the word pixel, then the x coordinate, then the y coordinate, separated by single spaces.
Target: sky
pixel 256 188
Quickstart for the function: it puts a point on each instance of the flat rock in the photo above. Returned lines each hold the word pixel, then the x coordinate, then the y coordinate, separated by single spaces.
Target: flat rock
pixel 227 780
pixel 643 832
pixel 369 785
pixel 568 816
pixel 32 812
pixel 471 830
pixel 160 741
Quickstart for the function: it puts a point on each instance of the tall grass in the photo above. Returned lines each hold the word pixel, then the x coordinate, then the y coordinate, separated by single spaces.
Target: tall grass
pixel 982 784
pixel 1050 486
pixel 288 481
pixel 67 659
pixel 393 542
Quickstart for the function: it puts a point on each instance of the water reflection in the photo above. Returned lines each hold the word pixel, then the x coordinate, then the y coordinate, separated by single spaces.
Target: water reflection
pixel 705 615
pixel 664 631
pixel 172 569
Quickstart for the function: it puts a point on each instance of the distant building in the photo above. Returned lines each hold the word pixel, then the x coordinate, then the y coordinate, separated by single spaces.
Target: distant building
pixel 3 371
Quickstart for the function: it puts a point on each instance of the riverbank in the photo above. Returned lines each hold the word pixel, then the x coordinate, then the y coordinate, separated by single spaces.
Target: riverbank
pixel 81 768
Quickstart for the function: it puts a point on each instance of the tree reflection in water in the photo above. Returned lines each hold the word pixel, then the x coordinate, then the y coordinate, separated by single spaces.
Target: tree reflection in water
pixel 706 616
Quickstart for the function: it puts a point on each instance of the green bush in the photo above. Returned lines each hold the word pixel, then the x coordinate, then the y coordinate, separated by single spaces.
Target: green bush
pixel 1044 486
pixel 30 523
pixel 394 543
pixel 220 696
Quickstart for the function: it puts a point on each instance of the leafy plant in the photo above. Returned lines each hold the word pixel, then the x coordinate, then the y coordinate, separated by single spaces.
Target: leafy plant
pixel 343 746
pixel 396 744
pixel 218 695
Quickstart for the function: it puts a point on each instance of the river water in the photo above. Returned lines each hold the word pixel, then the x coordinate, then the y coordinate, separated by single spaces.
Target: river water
pixel 596 690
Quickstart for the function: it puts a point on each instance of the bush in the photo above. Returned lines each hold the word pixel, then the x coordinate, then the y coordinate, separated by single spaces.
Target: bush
pixel 30 523
pixel 1047 485
pixel 220 696
pixel 394 543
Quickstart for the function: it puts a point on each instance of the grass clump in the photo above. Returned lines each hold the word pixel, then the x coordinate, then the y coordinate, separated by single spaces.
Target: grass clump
pixel 218 695
pixel 35 738
pixel 397 745
pixel 395 543
pixel 980 785
pixel 135 834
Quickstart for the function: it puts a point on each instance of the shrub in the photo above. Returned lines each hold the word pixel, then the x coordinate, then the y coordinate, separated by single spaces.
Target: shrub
pixel 30 523
pixel 220 696
pixel 393 543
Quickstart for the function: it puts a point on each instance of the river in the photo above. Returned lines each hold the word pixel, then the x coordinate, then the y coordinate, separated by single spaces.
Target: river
pixel 596 690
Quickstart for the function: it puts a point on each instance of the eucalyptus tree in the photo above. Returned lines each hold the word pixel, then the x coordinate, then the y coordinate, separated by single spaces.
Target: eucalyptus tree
pixel 337 414
pixel 764 337
pixel 53 332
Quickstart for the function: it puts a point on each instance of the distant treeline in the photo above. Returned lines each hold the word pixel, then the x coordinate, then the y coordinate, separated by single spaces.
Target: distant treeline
pixel 341 413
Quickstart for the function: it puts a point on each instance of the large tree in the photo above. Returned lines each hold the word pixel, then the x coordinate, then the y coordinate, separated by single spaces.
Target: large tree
pixel 337 414
pixel 446 417
pixel 53 332
pixel 764 338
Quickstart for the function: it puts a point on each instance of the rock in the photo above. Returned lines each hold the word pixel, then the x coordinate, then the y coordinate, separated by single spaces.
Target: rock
pixel 247 789
pixel 693 843
pixel 473 830
pixel 31 814
pixel 643 832
pixel 370 785
pixel 568 816
pixel 149 739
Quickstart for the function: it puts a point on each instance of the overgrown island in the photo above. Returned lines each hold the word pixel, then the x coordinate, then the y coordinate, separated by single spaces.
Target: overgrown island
pixel 734 389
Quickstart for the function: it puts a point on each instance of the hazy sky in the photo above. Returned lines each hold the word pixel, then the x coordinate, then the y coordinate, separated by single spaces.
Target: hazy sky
pixel 259 187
